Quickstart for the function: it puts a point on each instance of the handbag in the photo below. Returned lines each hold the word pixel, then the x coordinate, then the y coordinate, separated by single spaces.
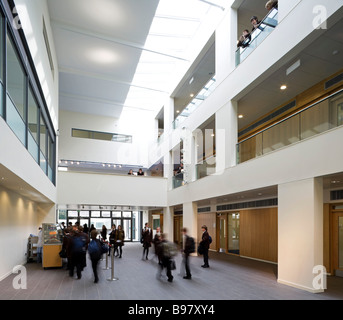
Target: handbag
pixel 63 253
pixel 172 264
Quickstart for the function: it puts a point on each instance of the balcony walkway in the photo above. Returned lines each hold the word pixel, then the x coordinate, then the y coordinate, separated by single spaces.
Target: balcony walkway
pixel 228 278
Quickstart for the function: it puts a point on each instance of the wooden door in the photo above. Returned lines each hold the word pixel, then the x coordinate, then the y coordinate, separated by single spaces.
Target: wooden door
pixel 337 243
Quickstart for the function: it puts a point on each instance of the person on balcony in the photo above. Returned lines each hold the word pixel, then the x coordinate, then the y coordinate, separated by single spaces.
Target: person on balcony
pixel 272 4
pixel 256 24
pixel 244 39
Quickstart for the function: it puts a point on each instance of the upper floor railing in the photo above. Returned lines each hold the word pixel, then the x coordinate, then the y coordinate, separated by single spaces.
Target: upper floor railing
pixel 266 26
pixel 315 119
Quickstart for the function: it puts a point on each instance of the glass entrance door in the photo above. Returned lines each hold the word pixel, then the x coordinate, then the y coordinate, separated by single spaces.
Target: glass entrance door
pixel 233 233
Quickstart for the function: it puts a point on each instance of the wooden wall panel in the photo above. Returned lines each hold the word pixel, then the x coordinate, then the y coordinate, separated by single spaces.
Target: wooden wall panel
pixel 208 219
pixel 259 234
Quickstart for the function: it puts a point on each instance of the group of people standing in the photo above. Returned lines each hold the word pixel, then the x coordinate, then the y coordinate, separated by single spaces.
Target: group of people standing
pixel 245 38
pixel 76 243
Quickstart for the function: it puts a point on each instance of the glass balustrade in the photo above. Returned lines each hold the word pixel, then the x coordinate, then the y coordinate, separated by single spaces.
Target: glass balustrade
pixel 206 167
pixel 315 119
pixel 266 27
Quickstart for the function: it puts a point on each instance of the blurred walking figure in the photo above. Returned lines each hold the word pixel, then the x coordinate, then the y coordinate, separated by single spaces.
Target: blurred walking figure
pixel 188 248
pixel 79 246
pixel 169 250
pixel 157 243
pixel 95 253
pixel 146 240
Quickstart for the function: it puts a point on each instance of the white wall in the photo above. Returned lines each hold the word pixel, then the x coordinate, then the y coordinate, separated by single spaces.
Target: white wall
pixel 20 162
pixel 18 219
pixel 97 189
pixel 141 128
pixel 300 233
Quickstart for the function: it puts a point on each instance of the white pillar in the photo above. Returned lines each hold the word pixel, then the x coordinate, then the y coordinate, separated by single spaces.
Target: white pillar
pixel 190 218
pixel 226 44
pixel 300 233
pixel 226 136
pixel 168 222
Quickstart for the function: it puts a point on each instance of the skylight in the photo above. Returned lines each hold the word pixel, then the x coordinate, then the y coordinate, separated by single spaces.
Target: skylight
pixel 168 49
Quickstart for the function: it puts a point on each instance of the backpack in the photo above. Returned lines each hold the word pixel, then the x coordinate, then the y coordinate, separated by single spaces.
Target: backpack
pixel 210 239
pixel 79 244
pixel 169 249
pixel 94 250
pixel 191 245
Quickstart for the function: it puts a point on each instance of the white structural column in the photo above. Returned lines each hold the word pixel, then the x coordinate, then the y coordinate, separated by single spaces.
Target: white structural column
pixel 168 222
pixel 226 39
pixel 226 136
pixel 190 218
pixel 300 233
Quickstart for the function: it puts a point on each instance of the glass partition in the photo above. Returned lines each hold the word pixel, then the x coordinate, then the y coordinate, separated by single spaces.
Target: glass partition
pixel 317 118
pixel 178 180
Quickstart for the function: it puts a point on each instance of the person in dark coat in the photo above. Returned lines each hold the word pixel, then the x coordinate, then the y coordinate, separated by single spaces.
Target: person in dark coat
pixel 157 243
pixel 205 243
pixel 187 250
pixel 113 239
pixel 146 240
pixel 120 239
pixel 95 259
pixel 103 233
pixel 79 247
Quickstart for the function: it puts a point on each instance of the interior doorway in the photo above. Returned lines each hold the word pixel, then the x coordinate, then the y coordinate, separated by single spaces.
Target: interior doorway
pixel 337 240
pixel 228 232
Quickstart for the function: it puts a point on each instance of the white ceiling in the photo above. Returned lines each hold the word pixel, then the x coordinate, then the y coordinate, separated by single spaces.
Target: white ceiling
pixel 99 44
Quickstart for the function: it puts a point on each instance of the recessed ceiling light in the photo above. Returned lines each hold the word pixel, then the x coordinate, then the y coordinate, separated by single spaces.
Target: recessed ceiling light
pixel 283 87
pixel 177 111
pixel 192 95
pixel 240 116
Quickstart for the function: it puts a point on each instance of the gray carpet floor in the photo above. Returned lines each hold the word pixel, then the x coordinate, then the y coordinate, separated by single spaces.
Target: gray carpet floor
pixel 228 278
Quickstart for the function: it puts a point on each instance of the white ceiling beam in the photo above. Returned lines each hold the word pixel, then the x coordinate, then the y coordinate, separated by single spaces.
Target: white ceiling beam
pixel 99 76
pixel 101 100
pixel 87 33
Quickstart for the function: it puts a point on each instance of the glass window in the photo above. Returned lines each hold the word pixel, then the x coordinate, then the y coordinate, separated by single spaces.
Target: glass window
pixel 106 214
pixel 33 112
pixel 1 68
pixel 84 214
pixel 95 214
pixel 33 115
pixel 73 214
pixel 116 214
pixel 127 214
pixel 15 78
pixel 42 136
